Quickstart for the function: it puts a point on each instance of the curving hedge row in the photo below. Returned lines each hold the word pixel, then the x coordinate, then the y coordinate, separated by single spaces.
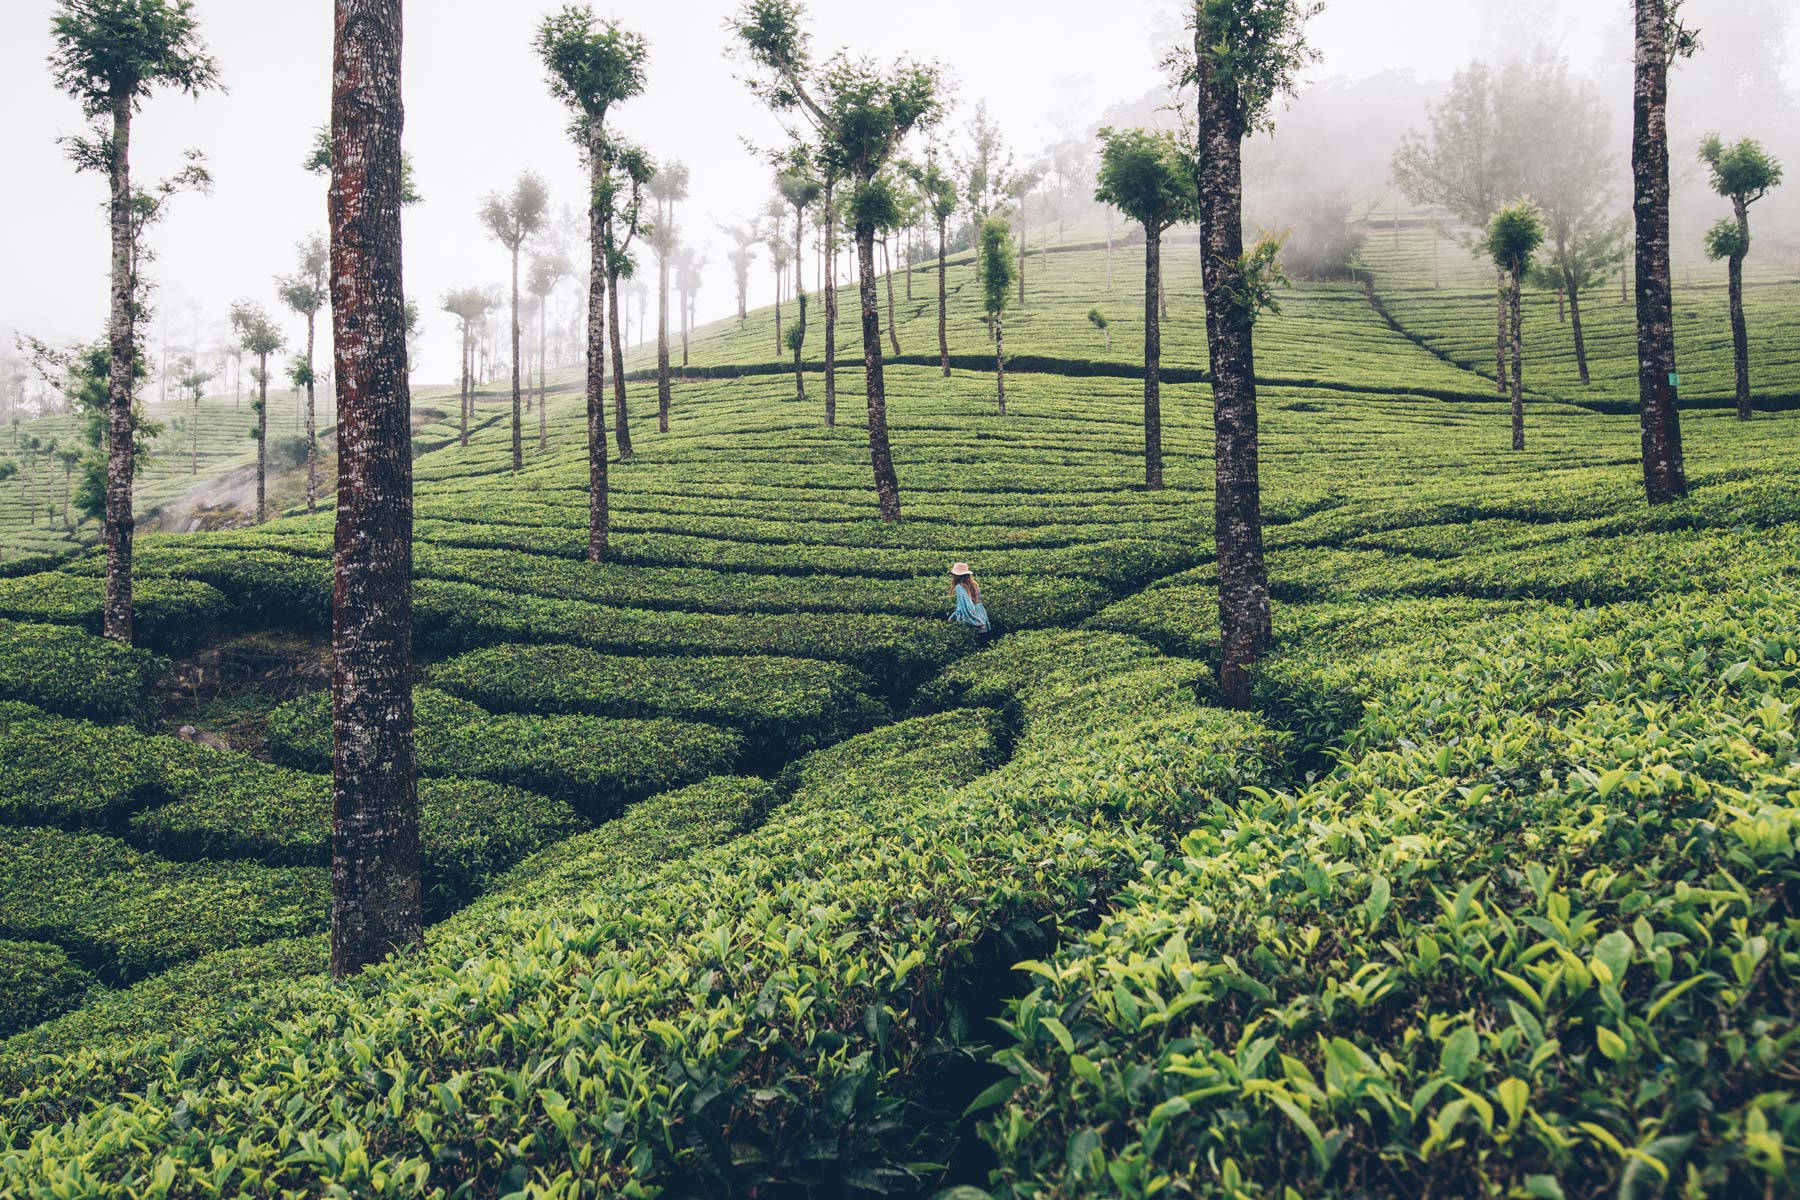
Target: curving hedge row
pixel 68 671
pixel 595 764
pixel 37 981
pixel 167 614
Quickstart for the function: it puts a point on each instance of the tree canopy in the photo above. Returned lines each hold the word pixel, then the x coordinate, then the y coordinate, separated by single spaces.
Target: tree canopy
pixel 1146 175
pixel 112 50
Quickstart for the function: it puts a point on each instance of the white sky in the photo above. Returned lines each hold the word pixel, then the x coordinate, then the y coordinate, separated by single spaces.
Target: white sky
pixel 478 113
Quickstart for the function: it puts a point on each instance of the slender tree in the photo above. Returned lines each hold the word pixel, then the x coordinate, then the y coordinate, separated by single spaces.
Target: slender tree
pixel 743 242
pixel 470 307
pixel 304 292
pixel 593 65
pixel 1245 54
pixel 259 337
pixel 1024 183
pixel 801 188
pixel 772 230
pixel 1514 235
pixel 545 272
pixel 629 169
pixel 938 190
pixel 996 288
pixel 110 55
pixel 668 187
pixel 193 381
pixel 1098 320
pixel 862 113
pixel 375 894
pixel 1660 41
pixel 1144 175
pixel 1742 172
pixel 511 220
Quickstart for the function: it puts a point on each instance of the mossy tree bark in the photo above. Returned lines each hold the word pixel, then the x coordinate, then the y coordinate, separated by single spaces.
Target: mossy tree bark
pixel 1665 475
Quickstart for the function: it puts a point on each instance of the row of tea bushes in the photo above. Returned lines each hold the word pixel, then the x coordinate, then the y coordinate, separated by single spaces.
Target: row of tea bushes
pixel 68 671
pixel 37 981
pixel 167 614
pixel 1534 936
pixel 596 764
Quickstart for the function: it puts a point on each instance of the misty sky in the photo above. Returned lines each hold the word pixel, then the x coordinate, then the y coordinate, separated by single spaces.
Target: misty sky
pixel 478 113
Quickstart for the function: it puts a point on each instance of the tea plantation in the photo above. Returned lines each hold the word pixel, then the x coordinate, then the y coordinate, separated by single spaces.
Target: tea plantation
pixel 749 874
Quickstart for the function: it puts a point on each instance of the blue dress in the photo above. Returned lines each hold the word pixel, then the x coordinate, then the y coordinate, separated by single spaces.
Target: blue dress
pixel 968 612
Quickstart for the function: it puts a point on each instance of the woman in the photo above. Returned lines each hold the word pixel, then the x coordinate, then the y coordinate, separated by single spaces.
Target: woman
pixel 967 592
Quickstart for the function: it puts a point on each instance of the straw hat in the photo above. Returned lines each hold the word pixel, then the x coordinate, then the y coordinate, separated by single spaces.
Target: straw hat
pixel 960 568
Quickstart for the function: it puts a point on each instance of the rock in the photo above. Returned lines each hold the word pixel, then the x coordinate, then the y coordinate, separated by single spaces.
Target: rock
pixel 200 737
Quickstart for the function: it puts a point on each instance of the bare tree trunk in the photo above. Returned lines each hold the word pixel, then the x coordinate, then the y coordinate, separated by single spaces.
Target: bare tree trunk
pixel 1517 342
pixel 831 311
pixel 1021 251
pixel 1740 337
pixel 1581 361
pixel 1152 360
pixel 682 299
pixel 468 385
pixel 195 433
pixel 121 525
pixel 800 298
pixel 779 331
pixel 1499 330
pixel 662 334
pixel 312 436
pixel 1244 608
pixel 543 398
pixel 599 517
pixel 906 255
pixel 262 435
pixel 888 267
pixel 621 419
pixel 1000 362
pixel 887 485
pixel 1665 475
pixel 943 297
pixel 1562 316
pixel 375 902
pixel 518 432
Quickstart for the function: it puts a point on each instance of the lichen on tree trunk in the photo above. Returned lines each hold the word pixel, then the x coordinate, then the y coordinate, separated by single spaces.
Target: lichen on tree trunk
pixel 599 517
pixel 887 485
pixel 1516 342
pixel 1152 360
pixel 375 896
pixel 621 418
pixel 1665 475
pixel 121 525
pixel 943 299
pixel 831 309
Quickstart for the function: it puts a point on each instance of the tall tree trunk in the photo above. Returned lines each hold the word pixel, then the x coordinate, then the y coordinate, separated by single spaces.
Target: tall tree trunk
pixel 543 397
pixel 1000 362
pixel 599 517
pixel 195 434
pixel 1244 609
pixel 312 433
pixel 1152 359
pixel 1021 252
pixel 1740 343
pixel 888 268
pixel 262 436
pixel 518 430
pixel 943 297
pixel 887 485
pixel 662 334
pixel 779 331
pixel 1517 344
pixel 1665 475
pixel 121 525
pixel 1581 361
pixel 621 419
pixel 800 298
pixel 683 300
pixel 1499 330
pixel 906 255
pixel 468 385
pixel 375 902
pixel 831 311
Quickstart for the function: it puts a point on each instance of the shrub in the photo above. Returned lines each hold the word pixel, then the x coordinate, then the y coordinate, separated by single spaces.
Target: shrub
pixel 58 771
pixel 71 672
pixel 167 614
pixel 596 764
pixel 125 914
pixel 784 706
pixel 37 982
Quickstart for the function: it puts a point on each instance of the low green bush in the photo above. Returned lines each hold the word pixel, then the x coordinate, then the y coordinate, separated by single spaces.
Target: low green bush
pixel 71 672
pixel 784 706
pixel 125 914
pixel 1529 938
pixel 595 764
pixel 267 585
pixel 167 614
pixel 37 981
pixel 60 771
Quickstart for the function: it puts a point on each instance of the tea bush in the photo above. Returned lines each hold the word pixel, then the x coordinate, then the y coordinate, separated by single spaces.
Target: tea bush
pixel 37 981
pixel 167 614
pixel 71 672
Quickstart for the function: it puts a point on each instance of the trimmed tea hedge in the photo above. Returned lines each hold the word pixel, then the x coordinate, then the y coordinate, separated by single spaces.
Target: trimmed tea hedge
pixel 71 672
pixel 167 614
pixel 58 771
pixel 37 982
pixel 596 764
pixel 784 706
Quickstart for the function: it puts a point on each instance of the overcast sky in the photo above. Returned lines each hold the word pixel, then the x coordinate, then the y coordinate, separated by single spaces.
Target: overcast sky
pixel 478 113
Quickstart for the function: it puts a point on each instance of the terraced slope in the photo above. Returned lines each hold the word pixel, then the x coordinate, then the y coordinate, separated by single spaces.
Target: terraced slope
pixel 734 843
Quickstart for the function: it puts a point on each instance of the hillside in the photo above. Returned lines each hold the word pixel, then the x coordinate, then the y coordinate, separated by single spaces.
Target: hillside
pixel 750 874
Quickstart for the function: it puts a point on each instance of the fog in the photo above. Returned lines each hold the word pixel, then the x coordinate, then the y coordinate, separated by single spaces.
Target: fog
pixel 479 113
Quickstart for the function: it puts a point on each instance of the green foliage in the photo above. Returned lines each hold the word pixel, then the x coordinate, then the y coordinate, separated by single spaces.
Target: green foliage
pixel 1726 240
pixel 997 270
pixel 68 671
pixel 595 764
pixel 1257 276
pixel 1251 52
pixel 109 50
pixel 1742 170
pixel 168 614
pixel 1513 236
pixel 37 982
pixel 256 333
pixel 783 706
pixel 1146 175
pixel 592 64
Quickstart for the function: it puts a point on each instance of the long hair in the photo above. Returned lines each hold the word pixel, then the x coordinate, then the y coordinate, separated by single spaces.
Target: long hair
pixel 969 584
